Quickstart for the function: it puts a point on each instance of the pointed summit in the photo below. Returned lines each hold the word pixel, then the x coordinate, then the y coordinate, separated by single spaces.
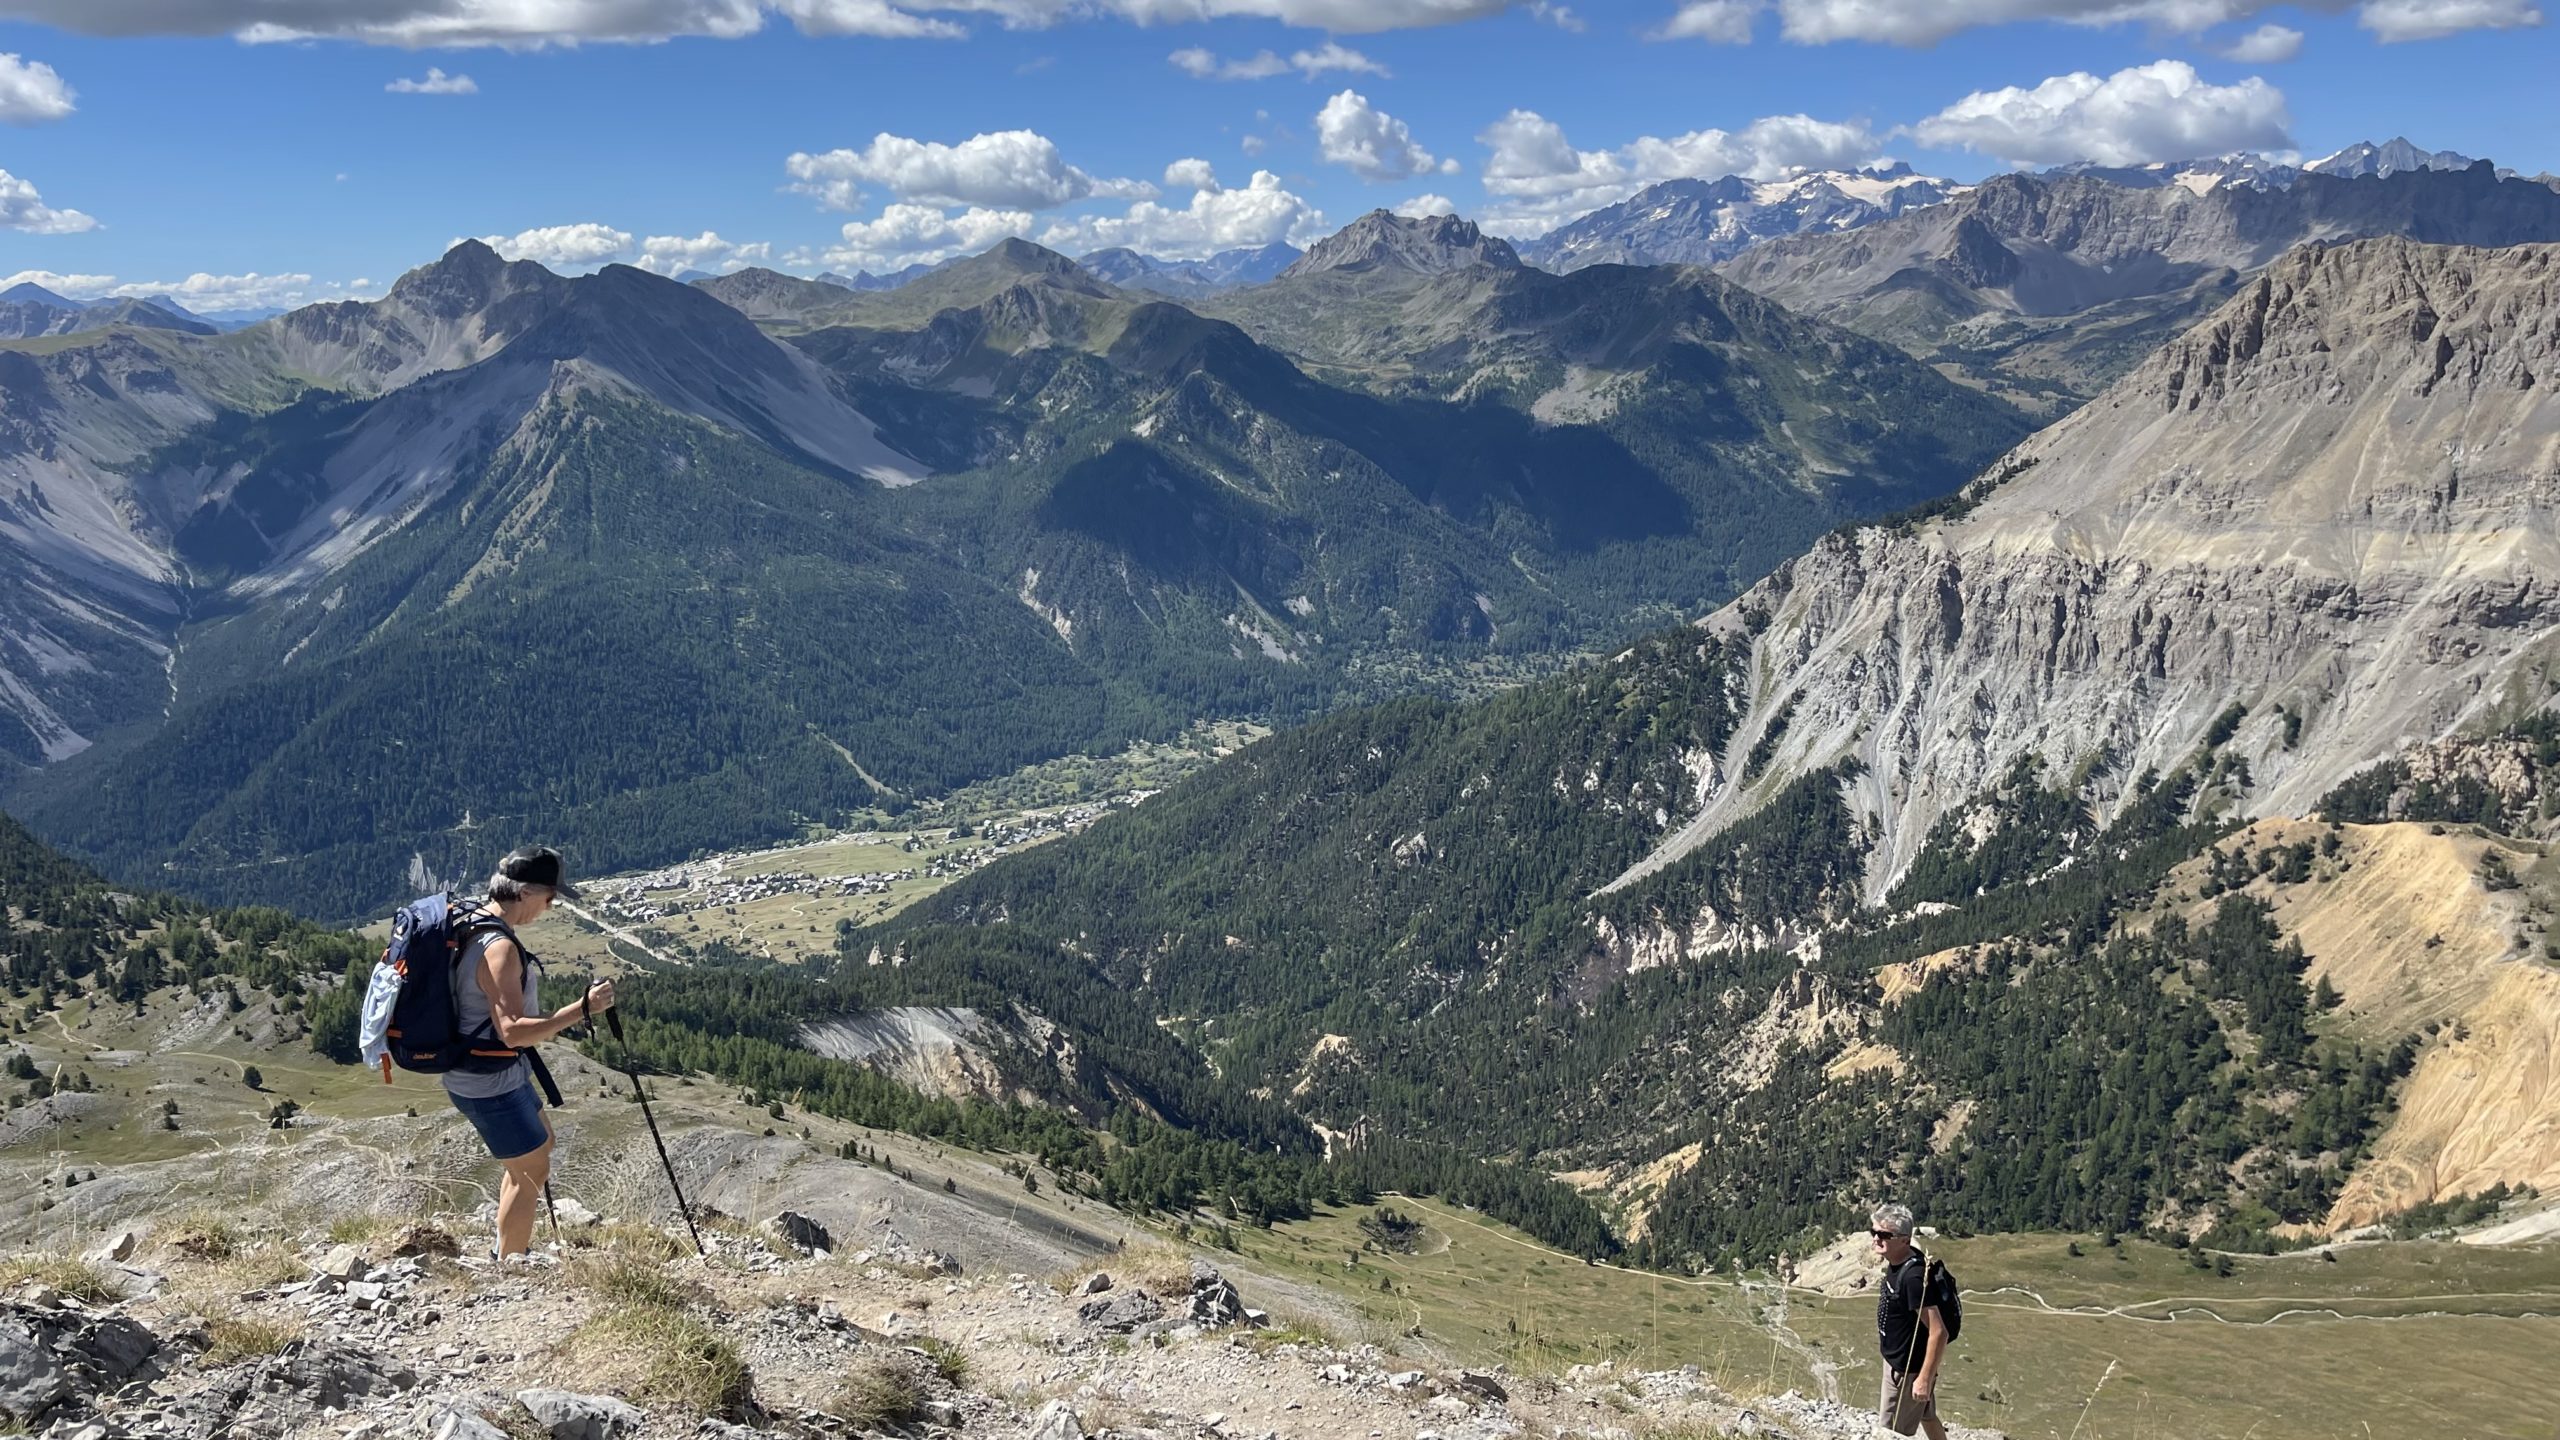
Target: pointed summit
pixel 1423 245
pixel 28 292
pixel 470 277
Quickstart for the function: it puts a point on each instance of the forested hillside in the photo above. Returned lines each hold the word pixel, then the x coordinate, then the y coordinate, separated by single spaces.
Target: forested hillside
pixel 590 643
pixel 68 932
pixel 1389 919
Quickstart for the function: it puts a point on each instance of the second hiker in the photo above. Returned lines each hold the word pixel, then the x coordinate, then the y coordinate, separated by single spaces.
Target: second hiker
pixel 1917 1313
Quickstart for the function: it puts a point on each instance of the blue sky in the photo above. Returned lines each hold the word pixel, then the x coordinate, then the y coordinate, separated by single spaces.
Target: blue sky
pixel 254 144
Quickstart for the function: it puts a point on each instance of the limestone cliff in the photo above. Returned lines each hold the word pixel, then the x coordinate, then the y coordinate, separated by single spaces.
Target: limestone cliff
pixel 2336 502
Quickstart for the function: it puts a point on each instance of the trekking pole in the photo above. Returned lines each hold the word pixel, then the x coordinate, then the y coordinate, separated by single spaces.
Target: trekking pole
pixel 613 1021
pixel 553 1206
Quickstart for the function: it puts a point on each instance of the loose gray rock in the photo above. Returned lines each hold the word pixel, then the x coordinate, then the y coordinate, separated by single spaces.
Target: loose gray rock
pixel 342 1264
pixel 1056 1421
pixel 446 1422
pixel 1484 1385
pixel 570 1416
pixel 33 1380
pixel 1120 1313
pixel 802 1232
pixel 51 1359
pixel 1093 1284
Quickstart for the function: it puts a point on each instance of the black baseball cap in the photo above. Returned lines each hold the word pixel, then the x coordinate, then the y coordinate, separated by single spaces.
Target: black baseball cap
pixel 539 865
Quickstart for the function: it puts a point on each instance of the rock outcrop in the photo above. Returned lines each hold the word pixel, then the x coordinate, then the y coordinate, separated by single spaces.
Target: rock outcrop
pixel 2336 503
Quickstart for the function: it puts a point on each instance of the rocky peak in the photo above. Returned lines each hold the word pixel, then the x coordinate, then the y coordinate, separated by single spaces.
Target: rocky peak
pixel 2391 157
pixel 1418 245
pixel 470 277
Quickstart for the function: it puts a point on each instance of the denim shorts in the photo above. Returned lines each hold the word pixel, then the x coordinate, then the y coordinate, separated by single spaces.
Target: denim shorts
pixel 510 1124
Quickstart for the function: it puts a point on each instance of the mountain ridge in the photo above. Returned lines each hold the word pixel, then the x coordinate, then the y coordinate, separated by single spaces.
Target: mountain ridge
pixel 2053 287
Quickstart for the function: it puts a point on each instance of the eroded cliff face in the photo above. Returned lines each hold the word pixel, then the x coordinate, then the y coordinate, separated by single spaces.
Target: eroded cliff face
pixel 2336 502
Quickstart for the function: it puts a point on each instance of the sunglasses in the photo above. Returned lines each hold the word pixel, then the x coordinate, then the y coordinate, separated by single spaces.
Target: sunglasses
pixel 1886 1234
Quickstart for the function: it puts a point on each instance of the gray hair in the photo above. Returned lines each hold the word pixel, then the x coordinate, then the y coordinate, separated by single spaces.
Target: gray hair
pixel 507 890
pixel 1896 1218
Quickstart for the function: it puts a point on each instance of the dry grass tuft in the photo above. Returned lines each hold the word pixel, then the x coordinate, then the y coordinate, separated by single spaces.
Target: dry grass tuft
pixel 627 1280
pixel 359 1229
pixel 1291 1328
pixel 1163 1271
pixel 203 1236
pixel 948 1360
pixel 88 1283
pixel 663 1355
pixel 246 1337
pixel 263 1267
pixel 622 1237
pixel 881 1391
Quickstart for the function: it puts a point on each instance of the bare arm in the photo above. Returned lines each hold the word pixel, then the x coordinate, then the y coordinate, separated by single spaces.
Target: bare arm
pixel 502 980
pixel 1936 1352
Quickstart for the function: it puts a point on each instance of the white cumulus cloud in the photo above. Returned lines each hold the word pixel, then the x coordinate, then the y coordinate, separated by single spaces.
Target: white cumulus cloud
pixel 1427 204
pixel 1545 179
pixel 1261 211
pixel 874 18
pixel 1004 170
pixel 1184 175
pixel 1367 141
pixel 907 234
pixel 2159 111
pixel 562 246
pixel 526 24
pixel 2269 44
pixel 1332 55
pixel 434 82
pixel 200 292
pixel 31 93
pixel 22 208
pixel 70 287
pixel 2394 20
pixel 253 291
pixel 675 254
pixel 1726 22
pixel 1926 22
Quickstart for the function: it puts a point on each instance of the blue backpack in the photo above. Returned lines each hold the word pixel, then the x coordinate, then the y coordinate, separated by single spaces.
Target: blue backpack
pixel 413 1007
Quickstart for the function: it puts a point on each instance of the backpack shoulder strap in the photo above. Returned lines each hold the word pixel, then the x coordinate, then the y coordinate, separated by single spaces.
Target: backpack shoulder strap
pixel 1919 1311
pixel 470 920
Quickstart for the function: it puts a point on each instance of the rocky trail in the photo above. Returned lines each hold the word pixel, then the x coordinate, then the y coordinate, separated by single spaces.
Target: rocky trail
pixel 618 1332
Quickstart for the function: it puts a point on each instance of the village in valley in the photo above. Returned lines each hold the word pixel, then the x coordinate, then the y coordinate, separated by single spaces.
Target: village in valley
pixel 789 903
pixel 728 882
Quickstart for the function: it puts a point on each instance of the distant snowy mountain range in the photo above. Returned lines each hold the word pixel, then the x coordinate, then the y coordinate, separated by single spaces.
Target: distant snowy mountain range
pixel 1709 222
pixel 1704 222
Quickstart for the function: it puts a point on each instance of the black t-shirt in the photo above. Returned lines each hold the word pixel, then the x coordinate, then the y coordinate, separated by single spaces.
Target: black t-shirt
pixel 1899 1301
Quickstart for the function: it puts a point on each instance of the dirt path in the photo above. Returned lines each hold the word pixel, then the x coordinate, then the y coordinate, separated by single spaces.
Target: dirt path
pixel 616 932
pixel 2201 1307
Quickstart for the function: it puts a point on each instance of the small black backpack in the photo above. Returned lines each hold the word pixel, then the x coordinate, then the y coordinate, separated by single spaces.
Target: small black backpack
pixel 412 1013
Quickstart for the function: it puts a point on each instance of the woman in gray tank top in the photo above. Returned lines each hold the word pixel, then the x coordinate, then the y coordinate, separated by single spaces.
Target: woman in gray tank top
pixel 495 991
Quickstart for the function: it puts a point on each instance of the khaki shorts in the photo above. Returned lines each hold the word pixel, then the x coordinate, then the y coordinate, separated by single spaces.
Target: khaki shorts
pixel 1893 1387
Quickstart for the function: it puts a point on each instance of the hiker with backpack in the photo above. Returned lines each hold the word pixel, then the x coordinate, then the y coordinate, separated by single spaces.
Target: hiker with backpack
pixel 1918 1313
pixel 455 996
